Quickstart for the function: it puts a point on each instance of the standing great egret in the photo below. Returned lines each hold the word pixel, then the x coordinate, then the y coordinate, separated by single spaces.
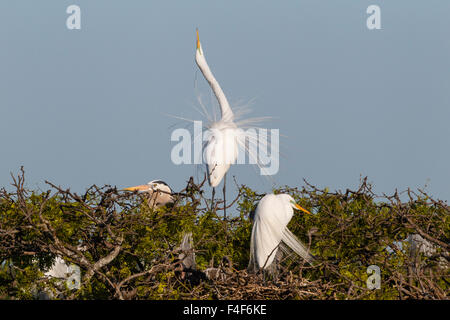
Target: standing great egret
pixel 270 231
pixel 221 149
pixel 159 193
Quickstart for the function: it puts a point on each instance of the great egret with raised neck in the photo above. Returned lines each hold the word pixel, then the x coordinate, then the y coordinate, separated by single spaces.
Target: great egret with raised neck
pixel 221 149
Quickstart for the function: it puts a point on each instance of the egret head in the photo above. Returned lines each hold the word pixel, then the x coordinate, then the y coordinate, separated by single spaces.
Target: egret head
pixel 159 192
pixel 295 205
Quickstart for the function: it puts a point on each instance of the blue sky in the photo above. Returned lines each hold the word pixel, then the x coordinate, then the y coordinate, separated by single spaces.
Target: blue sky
pixel 79 107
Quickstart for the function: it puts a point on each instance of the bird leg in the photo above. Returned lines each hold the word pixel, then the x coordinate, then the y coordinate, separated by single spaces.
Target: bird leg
pixel 264 277
pixel 225 207
pixel 224 197
pixel 212 197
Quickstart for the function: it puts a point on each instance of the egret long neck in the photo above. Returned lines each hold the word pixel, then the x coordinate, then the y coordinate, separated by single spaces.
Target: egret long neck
pixel 227 114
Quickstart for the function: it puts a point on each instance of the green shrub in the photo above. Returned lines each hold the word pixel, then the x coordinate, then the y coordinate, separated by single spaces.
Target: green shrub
pixel 127 250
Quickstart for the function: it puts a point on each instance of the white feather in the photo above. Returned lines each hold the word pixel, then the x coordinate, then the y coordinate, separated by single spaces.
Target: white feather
pixel 270 231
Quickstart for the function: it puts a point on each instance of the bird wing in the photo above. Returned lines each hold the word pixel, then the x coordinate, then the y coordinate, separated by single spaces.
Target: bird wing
pixel 270 230
pixel 221 151
pixel 264 242
pixel 267 231
pixel 296 245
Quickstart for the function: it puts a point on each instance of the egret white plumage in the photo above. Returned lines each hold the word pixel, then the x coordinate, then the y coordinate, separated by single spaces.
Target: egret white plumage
pixel 270 231
pixel 227 136
pixel 221 149
pixel 158 191
pixel 70 273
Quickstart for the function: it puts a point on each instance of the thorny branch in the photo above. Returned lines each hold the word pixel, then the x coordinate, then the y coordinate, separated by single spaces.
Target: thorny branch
pixel 106 227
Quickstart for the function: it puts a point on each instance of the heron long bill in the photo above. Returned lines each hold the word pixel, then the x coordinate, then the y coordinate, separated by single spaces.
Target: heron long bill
pixel 198 41
pixel 301 209
pixel 142 187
